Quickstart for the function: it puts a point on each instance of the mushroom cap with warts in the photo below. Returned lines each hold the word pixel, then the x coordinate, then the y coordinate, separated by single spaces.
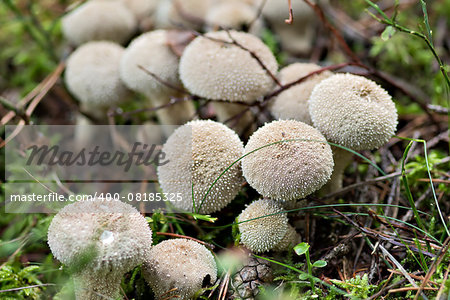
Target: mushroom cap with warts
pixel 99 20
pixel 115 235
pixel 292 103
pixel 232 14
pixel 180 264
pixel 198 153
pixel 189 14
pixel 353 111
pixel 92 74
pixel 152 52
pixel 268 228
pixel 287 170
pixel 214 68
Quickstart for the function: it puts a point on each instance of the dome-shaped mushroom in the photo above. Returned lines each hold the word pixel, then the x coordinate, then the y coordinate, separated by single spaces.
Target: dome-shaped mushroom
pixel 198 152
pixel 92 74
pixel 179 268
pixel 100 241
pixel 287 170
pixel 188 14
pixel 234 14
pixel 353 111
pixel 143 10
pixel 99 20
pixel 213 68
pixel 269 230
pixel 152 52
pixel 293 102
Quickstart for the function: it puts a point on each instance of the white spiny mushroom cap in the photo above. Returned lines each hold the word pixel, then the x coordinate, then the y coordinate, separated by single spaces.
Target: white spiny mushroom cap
pixel 185 13
pixel 151 51
pixel 293 102
pixel 198 152
pixel 289 170
pixel 182 264
pixel 353 111
pixel 222 71
pixel 231 15
pixel 263 233
pixel 99 20
pixel 92 74
pixel 113 232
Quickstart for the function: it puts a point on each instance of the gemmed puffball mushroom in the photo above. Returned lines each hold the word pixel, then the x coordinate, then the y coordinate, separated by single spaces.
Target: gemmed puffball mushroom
pixel 180 264
pixel 99 20
pixel 92 76
pixel 187 14
pixel 198 152
pixel 234 14
pixel 269 230
pixel 287 170
pixel 238 117
pixel 293 102
pixel 151 51
pixel 100 241
pixel 354 112
pixel 143 10
pixel 298 36
pixel 213 68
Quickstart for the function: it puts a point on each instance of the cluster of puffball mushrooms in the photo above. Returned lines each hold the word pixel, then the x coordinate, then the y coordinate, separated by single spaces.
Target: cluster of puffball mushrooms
pixel 284 160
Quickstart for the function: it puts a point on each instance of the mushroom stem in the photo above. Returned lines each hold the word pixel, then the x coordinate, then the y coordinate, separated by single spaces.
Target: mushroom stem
pixel 176 114
pixel 92 286
pixel 342 159
pixel 238 120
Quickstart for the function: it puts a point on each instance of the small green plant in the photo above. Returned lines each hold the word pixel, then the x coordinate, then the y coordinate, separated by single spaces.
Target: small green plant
pixel 303 248
pixel 358 286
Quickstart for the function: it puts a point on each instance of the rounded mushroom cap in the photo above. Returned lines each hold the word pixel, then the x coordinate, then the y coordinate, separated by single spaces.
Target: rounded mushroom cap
pixel 99 20
pixel 275 12
pixel 263 233
pixel 293 102
pixel 222 71
pixel 353 111
pixel 179 263
pixel 151 51
pixel 141 8
pixel 185 13
pixel 111 234
pixel 288 170
pixel 92 74
pixel 231 14
pixel 198 152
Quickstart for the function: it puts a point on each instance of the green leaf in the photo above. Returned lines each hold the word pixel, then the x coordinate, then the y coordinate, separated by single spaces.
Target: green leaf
pixel 303 276
pixel 319 264
pixel 301 248
pixel 388 32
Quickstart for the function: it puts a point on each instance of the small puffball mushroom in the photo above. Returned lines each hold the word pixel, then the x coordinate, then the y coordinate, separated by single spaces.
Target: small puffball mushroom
pixel 353 111
pixel 92 75
pixel 100 241
pixel 143 10
pixel 182 13
pixel 198 152
pixel 152 52
pixel 99 20
pixel 180 264
pixel 219 70
pixel 290 239
pixel 288 170
pixel 293 102
pixel 268 229
pixel 233 14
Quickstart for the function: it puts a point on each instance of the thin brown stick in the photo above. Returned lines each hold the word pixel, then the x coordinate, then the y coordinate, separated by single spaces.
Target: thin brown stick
pixel 162 81
pixel 291 15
